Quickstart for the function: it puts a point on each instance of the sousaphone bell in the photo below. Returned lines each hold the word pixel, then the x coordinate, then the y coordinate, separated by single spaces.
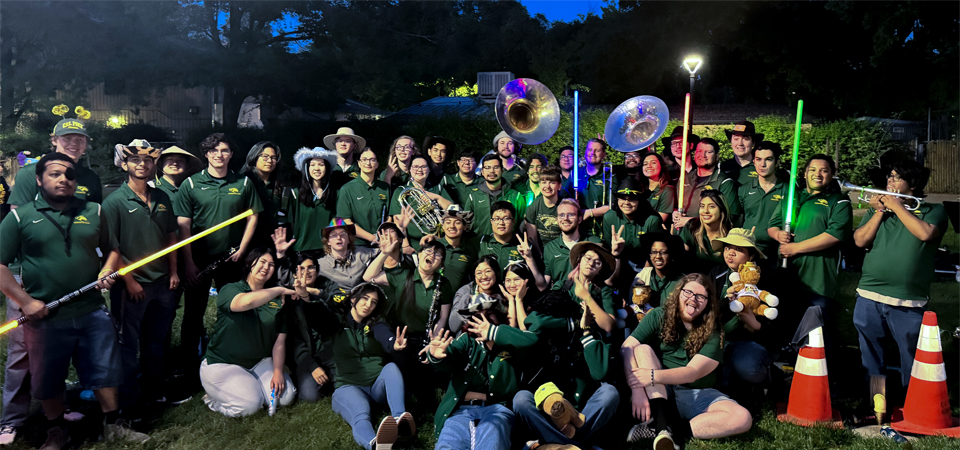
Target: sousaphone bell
pixel 527 111
pixel 636 123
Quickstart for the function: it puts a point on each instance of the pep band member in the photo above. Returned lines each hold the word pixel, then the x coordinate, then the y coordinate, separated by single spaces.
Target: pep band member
pixel 698 233
pixel 314 204
pixel 262 167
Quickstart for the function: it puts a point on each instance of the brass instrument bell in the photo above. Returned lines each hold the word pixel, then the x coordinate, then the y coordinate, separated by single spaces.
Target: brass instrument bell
pixel 637 123
pixel 527 111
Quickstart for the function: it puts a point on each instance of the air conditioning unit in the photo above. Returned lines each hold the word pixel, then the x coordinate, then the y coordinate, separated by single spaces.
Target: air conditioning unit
pixel 490 83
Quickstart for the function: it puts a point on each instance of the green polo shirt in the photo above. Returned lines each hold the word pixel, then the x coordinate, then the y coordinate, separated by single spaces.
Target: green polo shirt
pixel 600 292
pixel 758 207
pixel 556 257
pixel 515 176
pixel 460 260
pixel 358 354
pixel 140 230
pixel 400 178
pixel 209 201
pixel 674 355
pixel 505 253
pixel 413 233
pixel 244 338
pixel 415 315
pixel 48 273
pixel 166 187
pixel 342 177
pixel 308 221
pixel 664 199
pixel 25 190
pixel 457 188
pixel 898 264
pixel 593 194
pixel 633 230
pixel 544 218
pixel 821 213
pixel 479 201
pixel 703 261
pixel 364 204
pixel 718 180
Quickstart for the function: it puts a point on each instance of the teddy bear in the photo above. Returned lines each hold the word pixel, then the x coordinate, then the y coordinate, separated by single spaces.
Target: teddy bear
pixel 563 415
pixel 641 301
pixel 761 303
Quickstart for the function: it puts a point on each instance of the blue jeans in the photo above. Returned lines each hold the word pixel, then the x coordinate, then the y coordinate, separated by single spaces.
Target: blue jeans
pixel 876 321
pixel 144 326
pixel 476 427
pixel 693 402
pixel 353 402
pixel 746 361
pixel 597 412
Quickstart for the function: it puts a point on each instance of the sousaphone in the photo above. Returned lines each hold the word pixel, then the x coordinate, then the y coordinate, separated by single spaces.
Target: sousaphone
pixel 527 111
pixel 637 123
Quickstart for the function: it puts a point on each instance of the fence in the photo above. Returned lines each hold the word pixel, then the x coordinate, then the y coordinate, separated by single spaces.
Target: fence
pixel 943 160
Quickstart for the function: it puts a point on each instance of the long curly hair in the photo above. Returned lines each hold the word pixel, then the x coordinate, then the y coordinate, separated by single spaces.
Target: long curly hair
pixel 704 325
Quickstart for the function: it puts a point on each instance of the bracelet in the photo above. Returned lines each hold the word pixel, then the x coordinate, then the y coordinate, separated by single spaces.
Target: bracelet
pixel 651 378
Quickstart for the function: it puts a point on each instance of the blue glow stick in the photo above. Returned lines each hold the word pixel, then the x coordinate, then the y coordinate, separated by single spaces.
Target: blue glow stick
pixel 576 142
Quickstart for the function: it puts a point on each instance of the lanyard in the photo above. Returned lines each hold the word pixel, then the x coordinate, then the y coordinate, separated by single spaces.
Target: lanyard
pixel 64 232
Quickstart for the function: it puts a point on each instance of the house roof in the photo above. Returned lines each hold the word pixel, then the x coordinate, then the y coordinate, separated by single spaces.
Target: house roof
pixel 444 106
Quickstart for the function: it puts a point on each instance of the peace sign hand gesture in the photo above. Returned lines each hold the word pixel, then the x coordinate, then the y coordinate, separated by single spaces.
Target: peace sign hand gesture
pixel 524 248
pixel 617 243
pixel 401 342
pixel 300 283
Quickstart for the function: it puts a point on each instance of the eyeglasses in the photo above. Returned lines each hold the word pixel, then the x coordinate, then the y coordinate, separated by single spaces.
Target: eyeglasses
pixel 659 253
pixel 566 156
pixel 895 178
pixel 368 160
pixel 428 253
pixel 631 156
pixel 266 157
pixel 310 268
pixel 593 262
pixel 676 143
pixel 700 297
pixel 418 167
pixel 404 147
pixel 568 216
pixel 501 219
pixel 492 168
pixel 466 161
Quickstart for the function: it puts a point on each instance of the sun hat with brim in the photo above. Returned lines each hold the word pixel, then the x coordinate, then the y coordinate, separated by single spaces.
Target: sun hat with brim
pixel 430 141
pixel 338 223
pixel 629 187
pixel 454 212
pixel 392 226
pixel 137 147
pixel 194 164
pixel 480 302
pixel 582 247
pixel 70 126
pixel 302 158
pixel 744 128
pixel 678 133
pixel 739 237
pixel 329 139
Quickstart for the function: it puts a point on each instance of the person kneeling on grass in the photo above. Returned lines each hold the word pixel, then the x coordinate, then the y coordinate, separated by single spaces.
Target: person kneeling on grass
pixel 675 352
pixel 243 368
pixel 361 349
pixel 483 379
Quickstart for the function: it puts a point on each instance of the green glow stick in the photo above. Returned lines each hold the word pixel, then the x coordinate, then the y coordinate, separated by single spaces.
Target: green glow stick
pixel 791 186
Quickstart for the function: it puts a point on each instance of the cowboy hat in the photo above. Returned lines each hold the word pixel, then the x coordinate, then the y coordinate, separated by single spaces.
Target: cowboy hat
pixel 582 247
pixel 629 187
pixel 744 128
pixel 454 212
pixel 329 139
pixel 678 132
pixel 138 147
pixel 479 302
pixel 338 223
pixel 303 156
pixel 741 238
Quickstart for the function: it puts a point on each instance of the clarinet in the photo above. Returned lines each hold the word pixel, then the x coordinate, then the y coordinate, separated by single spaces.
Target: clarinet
pixel 213 266
pixel 432 316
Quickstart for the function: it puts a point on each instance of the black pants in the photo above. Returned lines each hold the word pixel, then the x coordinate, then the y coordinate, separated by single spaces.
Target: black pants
pixel 195 299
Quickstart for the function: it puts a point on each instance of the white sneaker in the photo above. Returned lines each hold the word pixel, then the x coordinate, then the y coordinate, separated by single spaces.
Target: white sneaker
pixel 7 435
pixel 386 435
pixel 641 431
pixel 121 430
pixel 664 441
pixel 406 427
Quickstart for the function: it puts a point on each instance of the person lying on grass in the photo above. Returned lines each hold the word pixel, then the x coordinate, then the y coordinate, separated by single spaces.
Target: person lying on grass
pixel 670 362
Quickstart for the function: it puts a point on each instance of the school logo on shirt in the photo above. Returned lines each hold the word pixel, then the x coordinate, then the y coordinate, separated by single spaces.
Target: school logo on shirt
pixel 916 212
pixel 233 191
pixel 598 182
pixel 514 253
pixel 640 233
pixel 776 197
pixel 547 220
pixel 383 197
pixel 708 188
pixel 161 208
pixel 463 258
pixel 83 190
pixel 81 220
pixel 822 202
pixel 273 304
pixel 753 174
pixel 353 174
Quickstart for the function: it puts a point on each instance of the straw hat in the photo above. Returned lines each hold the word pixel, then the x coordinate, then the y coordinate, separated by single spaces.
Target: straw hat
pixel 329 139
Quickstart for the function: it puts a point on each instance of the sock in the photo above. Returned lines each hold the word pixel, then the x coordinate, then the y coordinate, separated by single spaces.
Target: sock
pixel 658 409
pixel 111 417
pixel 58 422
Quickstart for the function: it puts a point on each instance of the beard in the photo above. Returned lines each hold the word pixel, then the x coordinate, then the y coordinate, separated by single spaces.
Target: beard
pixel 54 198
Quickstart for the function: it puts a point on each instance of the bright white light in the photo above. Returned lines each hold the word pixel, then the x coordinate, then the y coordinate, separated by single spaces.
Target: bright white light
pixel 692 64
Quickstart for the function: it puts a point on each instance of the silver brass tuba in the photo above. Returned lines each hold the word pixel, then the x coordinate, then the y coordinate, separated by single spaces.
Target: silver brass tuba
pixel 636 123
pixel 910 202
pixel 527 111
pixel 426 212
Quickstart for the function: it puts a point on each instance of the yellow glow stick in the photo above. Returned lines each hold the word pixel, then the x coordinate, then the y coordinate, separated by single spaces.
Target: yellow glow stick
pixel 56 303
pixel 683 156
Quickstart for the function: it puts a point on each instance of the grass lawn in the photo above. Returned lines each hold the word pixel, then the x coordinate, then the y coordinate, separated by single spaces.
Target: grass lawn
pixel 193 426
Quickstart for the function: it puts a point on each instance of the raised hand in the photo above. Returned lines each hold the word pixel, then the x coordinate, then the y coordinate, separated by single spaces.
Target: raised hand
pixel 479 326
pixel 428 238
pixel 401 341
pixel 524 247
pixel 392 163
pixel 300 283
pixel 406 215
pixel 587 318
pixel 617 243
pixel 280 240
pixel 439 343
pixel 389 243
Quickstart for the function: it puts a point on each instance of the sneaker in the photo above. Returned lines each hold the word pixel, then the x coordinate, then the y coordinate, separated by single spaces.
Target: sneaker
pixel 121 430
pixel 57 438
pixel 641 431
pixel 72 416
pixel 406 427
pixel 7 435
pixel 664 441
pixel 386 435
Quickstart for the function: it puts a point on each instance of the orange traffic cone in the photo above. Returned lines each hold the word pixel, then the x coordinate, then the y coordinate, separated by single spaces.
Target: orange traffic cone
pixel 927 407
pixel 809 402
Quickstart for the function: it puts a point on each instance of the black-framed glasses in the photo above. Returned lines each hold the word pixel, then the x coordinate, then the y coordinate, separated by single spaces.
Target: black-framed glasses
pixel 700 297
pixel 267 157
pixel 501 219
pixel 659 253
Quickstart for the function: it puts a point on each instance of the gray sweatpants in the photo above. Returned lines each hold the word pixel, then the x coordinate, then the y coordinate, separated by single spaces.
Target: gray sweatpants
pixel 235 392
pixel 16 377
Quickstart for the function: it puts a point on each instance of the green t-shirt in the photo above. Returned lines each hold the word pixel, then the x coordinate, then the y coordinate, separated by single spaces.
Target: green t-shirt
pixel 673 355
pixel 544 218
pixel 140 230
pixel 308 221
pixel 413 233
pixel 664 199
pixel 48 272
pixel 480 200
pixel 25 190
pixel 703 261
pixel 460 260
pixel 556 258
pixel 632 232
pixel 363 203
pixel 758 207
pixel 209 201
pixel 821 213
pixel 898 264
pixel 244 338
pixel 414 316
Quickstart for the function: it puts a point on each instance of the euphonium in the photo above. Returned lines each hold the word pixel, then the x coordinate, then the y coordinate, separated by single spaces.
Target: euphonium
pixel 527 111
pixel 426 212
pixel 910 202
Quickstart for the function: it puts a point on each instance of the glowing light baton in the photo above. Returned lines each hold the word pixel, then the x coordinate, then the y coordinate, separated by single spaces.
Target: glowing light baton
pixel 87 288
pixel 683 155
pixel 788 220
pixel 576 143
pixel 273 402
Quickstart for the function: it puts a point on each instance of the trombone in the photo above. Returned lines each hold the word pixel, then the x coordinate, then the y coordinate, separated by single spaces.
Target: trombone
pixel 910 202
pixel 426 212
